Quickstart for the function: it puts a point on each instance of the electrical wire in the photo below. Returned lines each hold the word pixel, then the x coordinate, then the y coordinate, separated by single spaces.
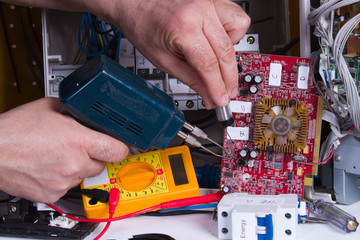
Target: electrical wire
pixel 194 207
pixel 95 38
pixel 177 213
pixel 313 164
pixel 327 7
pixel 32 24
pixel 214 197
pixel 287 47
pixel 262 20
pixel 323 18
pixel 314 56
pixel 204 119
pixel 352 93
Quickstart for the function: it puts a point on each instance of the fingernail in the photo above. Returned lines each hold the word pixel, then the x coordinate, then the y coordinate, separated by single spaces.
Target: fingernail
pixel 224 100
pixel 234 93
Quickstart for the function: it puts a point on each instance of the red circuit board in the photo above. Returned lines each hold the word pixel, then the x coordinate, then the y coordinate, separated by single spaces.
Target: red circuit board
pixel 277 121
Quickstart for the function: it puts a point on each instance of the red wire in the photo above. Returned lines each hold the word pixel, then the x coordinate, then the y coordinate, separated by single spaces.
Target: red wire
pixel 107 219
pixel 352 127
pixel 215 197
pixel 114 197
pixel 319 163
pixel 103 231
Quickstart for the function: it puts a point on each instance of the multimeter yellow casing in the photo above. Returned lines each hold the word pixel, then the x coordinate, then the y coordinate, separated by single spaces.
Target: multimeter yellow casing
pixel 144 180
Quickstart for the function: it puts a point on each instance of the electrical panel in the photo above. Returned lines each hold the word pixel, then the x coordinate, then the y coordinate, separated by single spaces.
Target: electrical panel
pixel 58 59
pixel 275 137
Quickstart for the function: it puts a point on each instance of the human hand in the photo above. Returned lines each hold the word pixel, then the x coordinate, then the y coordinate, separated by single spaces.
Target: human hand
pixel 189 39
pixel 45 153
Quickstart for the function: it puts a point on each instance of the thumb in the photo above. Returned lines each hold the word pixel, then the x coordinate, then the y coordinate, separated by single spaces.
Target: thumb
pixel 105 148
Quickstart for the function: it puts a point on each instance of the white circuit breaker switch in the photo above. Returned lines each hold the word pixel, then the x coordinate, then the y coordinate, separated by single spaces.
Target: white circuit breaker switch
pixel 275 74
pixel 253 217
pixel 178 87
pixel 303 77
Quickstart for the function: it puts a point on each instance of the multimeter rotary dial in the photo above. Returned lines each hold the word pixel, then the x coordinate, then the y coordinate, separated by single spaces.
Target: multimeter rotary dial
pixel 136 176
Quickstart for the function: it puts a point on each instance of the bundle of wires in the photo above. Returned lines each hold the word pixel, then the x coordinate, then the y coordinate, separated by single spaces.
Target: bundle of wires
pixel 174 205
pixel 323 18
pixel 95 37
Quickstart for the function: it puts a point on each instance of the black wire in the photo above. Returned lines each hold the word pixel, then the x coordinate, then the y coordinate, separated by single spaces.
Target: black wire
pixel 208 117
pixel 6 36
pixel 96 26
pixel 287 46
pixel 261 20
pixel 31 22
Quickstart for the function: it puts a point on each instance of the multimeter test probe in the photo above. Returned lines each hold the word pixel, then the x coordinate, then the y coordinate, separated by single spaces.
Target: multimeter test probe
pixel 109 98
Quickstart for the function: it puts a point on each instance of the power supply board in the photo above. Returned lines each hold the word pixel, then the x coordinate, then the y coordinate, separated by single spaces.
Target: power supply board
pixel 274 142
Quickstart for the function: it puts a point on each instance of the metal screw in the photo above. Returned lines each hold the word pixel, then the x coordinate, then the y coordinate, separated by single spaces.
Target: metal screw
pixel 337 158
pixel 189 104
pixel 176 103
pixel 224 214
pixel 224 230
pixel 13 208
pixel 288 231
pixel 250 40
pixel 51 215
pixel 63 217
pixel 288 215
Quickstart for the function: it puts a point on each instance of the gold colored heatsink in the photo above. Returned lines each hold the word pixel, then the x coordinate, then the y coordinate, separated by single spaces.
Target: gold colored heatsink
pixel 282 124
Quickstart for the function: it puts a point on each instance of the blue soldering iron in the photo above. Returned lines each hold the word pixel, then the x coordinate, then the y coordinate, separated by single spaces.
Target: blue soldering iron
pixel 111 99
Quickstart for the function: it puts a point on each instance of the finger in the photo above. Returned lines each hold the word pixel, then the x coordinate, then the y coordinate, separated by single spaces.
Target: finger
pixel 233 18
pixel 200 55
pixel 224 51
pixel 93 168
pixel 105 148
pixel 185 73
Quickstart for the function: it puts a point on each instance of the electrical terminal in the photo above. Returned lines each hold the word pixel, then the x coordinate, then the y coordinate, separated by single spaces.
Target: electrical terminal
pixel 61 221
pixel 192 141
pixel 200 133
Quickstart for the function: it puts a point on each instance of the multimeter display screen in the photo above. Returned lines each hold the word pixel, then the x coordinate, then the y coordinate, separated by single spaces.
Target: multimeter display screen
pixel 178 169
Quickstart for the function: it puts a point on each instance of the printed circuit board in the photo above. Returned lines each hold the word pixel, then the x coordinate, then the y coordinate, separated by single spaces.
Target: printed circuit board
pixel 275 137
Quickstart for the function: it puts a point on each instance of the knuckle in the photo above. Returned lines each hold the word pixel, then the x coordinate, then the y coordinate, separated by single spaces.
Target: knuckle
pixel 210 65
pixel 242 21
pixel 227 55
pixel 71 168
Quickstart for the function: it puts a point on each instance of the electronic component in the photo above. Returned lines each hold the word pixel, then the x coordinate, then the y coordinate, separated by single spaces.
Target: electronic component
pixel 253 89
pixel 23 220
pixel 224 116
pixel 279 125
pixel 247 78
pixel 144 180
pixel 335 215
pixel 259 78
pixel 251 217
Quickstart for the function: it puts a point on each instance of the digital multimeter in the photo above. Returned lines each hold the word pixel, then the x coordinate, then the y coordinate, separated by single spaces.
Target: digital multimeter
pixel 144 180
